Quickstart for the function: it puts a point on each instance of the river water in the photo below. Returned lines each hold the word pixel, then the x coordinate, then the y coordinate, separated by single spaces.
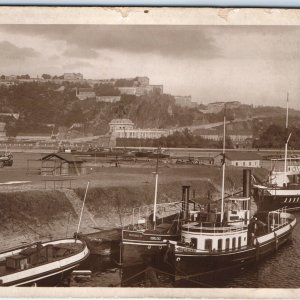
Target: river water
pixel 279 270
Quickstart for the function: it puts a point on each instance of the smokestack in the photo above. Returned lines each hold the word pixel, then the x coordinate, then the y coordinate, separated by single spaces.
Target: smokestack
pixel 246 184
pixel 185 200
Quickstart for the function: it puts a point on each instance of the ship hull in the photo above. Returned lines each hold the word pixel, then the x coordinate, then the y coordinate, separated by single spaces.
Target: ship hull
pixel 44 271
pixel 139 248
pixel 210 266
pixel 289 199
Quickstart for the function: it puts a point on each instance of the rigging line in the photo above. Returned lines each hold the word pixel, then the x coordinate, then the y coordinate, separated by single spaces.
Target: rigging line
pixel 192 280
pixel 187 276
pixel 200 283
pixel 133 276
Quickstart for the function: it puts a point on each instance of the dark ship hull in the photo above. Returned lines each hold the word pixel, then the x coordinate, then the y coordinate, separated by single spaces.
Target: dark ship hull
pixel 281 198
pixel 138 248
pixel 209 266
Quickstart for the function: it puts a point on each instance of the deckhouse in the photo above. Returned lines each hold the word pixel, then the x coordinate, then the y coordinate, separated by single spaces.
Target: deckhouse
pixel 208 234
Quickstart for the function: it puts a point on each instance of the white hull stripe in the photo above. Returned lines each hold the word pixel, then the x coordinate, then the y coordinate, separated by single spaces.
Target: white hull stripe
pixel 144 244
pixel 51 268
pixel 232 252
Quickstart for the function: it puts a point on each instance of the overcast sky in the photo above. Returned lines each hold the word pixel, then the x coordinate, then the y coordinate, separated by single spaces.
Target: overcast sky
pixel 255 65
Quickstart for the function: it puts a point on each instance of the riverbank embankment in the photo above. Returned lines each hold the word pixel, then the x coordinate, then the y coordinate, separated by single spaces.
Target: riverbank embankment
pixel 31 212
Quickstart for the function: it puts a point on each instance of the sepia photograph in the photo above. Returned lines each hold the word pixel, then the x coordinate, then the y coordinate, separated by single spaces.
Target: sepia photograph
pixel 145 155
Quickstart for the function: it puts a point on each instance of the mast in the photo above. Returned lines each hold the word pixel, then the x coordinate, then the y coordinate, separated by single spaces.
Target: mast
pixel 76 235
pixel 287 140
pixel 155 192
pixel 223 165
pixel 124 138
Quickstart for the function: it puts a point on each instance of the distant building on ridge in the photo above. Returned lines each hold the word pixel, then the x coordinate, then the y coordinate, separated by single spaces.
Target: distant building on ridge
pixel 73 76
pixel 85 93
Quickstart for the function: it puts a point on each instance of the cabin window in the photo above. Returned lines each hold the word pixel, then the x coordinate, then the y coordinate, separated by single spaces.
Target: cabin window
pixel 237 164
pixel 227 244
pixel 244 164
pixel 240 242
pixel 208 244
pixel 233 243
pixel 220 242
pixel 249 163
pixel 194 243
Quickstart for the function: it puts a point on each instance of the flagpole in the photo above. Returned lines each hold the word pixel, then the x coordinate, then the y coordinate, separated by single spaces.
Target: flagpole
pixel 287 140
pixel 223 165
pixel 155 192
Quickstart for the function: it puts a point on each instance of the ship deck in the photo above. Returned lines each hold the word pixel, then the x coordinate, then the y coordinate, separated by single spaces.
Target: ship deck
pixel 61 248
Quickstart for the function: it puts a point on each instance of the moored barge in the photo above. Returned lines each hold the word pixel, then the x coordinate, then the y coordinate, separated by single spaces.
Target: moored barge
pixel 32 263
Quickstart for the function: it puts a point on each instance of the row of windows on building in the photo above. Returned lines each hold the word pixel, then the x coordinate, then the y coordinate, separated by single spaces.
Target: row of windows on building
pixel 246 164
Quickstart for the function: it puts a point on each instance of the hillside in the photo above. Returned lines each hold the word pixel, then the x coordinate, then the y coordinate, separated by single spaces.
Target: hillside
pixel 45 105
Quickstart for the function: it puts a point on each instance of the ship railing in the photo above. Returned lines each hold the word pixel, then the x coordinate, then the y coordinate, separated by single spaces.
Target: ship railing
pixel 56 259
pixel 140 215
pixel 208 227
pixel 278 218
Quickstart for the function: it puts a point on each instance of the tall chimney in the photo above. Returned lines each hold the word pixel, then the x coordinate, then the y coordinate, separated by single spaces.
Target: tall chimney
pixel 246 184
pixel 185 200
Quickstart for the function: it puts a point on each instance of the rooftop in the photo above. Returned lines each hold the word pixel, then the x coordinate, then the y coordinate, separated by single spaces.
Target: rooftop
pixel 242 155
pixel 68 157
pixel 85 90
pixel 121 121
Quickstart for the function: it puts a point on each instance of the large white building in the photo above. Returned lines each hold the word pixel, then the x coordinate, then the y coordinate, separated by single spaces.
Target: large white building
pixel 2 130
pixel 185 101
pixel 130 90
pixel 143 80
pixel 124 128
pixel 216 107
pixel 120 124
pixel 139 133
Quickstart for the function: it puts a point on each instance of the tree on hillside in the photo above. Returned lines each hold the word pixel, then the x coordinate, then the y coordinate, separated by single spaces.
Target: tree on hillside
pixel 275 136
pixel 74 115
pixel 23 77
pixel 46 76
pixel 11 128
pixel 186 139
pixel 228 143
pixel 106 90
pixel 124 83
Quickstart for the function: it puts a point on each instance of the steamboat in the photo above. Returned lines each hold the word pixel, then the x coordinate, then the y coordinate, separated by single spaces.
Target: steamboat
pixel 216 241
pixel 213 242
pixel 283 187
